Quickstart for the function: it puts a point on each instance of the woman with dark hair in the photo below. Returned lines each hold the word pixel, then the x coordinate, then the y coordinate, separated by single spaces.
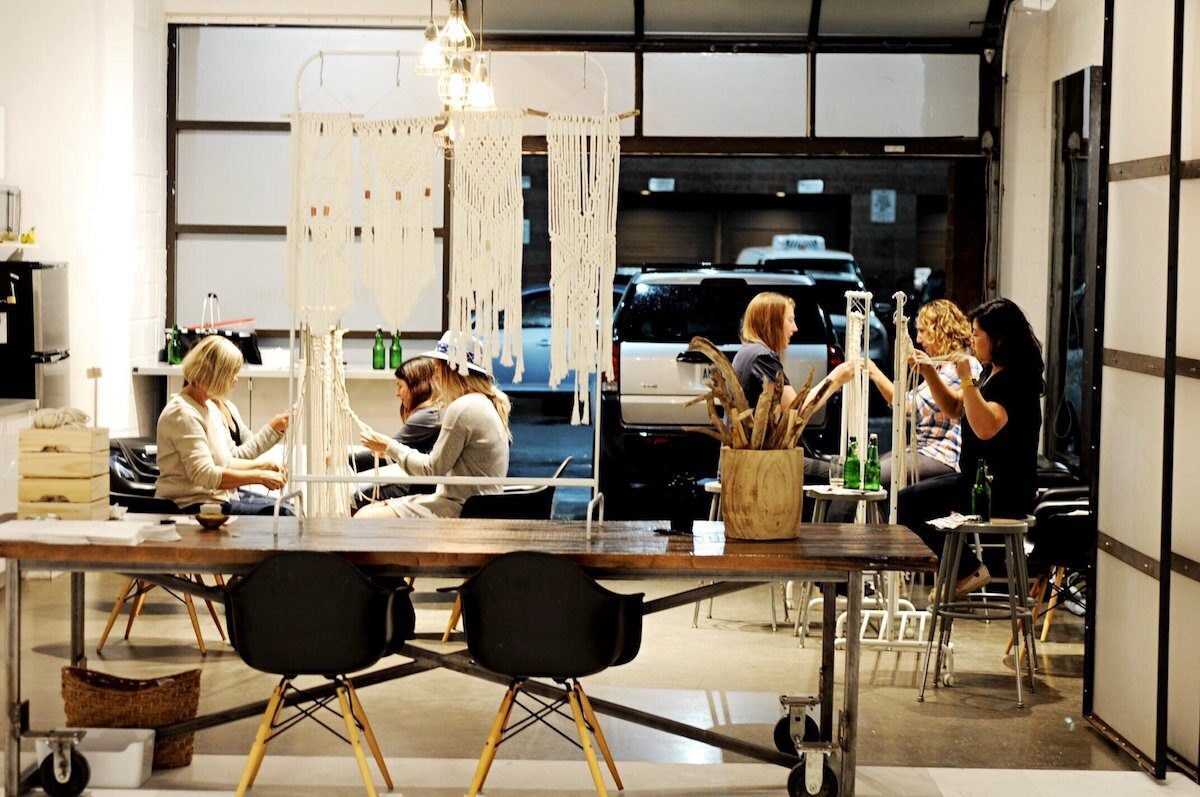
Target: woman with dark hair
pixel 1003 419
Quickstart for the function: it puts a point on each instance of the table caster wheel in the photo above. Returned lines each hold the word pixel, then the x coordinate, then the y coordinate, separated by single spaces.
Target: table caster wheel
pixel 796 788
pixel 783 734
pixel 947 679
pixel 76 782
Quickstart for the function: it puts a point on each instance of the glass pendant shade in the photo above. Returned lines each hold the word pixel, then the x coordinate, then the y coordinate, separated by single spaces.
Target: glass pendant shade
pixel 481 96
pixel 456 37
pixel 454 84
pixel 432 60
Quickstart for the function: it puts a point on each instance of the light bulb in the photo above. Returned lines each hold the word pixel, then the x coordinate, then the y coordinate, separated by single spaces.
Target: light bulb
pixel 456 36
pixel 454 83
pixel 432 60
pixel 481 96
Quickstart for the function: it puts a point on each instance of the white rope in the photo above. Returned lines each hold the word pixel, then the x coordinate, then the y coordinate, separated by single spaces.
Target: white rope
pixel 487 225
pixel 398 264
pixel 60 418
pixel 584 154
pixel 330 425
pixel 321 230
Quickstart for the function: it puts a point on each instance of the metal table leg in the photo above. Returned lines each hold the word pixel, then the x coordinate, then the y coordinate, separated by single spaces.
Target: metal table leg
pixel 78 659
pixel 12 672
pixel 850 698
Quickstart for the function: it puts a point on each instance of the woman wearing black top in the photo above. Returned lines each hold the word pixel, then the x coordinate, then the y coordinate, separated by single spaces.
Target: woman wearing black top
pixel 1003 415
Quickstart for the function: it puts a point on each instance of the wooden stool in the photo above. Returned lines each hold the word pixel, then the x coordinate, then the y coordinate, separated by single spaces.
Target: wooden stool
pixel 945 607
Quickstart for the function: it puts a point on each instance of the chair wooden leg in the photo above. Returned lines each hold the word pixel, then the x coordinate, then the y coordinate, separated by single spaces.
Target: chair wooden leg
pixel 592 720
pixel 211 610
pixel 372 742
pixel 191 608
pixel 274 721
pixel 585 739
pixel 116 612
pixel 352 735
pixel 135 609
pixel 259 749
pixel 455 613
pixel 1059 574
pixel 493 739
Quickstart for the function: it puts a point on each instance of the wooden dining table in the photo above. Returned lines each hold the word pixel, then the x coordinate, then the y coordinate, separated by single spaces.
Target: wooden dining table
pixel 824 553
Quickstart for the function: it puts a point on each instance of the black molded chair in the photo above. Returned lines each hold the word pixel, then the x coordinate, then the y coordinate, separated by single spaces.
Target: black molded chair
pixel 310 613
pixel 515 503
pixel 535 615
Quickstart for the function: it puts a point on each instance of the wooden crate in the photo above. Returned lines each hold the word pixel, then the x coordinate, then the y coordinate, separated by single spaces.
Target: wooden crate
pixel 64 472
pixel 95 510
pixel 76 491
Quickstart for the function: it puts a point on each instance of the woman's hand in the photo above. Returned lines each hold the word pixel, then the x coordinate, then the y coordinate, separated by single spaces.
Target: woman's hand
pixel 271 479
pixel 376 442
pixel 874 372
pixel 280 422
pixel 843 373
pixel 962 366
pixel 920 360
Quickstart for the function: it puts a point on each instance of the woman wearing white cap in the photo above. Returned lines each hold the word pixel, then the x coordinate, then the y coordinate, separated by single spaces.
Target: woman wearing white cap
pixel 473 442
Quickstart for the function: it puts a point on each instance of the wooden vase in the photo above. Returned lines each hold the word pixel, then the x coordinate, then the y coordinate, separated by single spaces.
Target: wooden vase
pixel 762 493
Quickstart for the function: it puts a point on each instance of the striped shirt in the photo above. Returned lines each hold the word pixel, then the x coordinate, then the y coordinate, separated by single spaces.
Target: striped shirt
pixel 938 436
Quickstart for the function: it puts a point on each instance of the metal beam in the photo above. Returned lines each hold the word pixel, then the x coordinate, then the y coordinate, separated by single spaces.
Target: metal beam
pixel 714 43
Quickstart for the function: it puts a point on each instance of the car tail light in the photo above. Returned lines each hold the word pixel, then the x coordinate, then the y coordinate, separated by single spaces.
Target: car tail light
pixel 835 357
pixel 613 385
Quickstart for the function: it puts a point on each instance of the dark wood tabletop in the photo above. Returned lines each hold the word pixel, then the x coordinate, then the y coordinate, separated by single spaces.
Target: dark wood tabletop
pixel 460 546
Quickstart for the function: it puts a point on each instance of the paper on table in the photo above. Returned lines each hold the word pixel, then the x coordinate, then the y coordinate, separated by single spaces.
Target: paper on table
pixel 952 521
pixel 73 532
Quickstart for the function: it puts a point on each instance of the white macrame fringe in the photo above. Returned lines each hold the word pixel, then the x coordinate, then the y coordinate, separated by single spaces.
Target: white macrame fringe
pixel 487 226
pixel 398 264
pixel 584 155
pixel 320 232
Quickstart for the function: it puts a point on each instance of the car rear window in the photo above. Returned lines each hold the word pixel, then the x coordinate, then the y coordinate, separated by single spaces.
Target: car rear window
pixel 712 309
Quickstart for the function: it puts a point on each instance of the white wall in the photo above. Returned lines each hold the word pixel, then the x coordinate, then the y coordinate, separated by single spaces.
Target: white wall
pixel 1041 48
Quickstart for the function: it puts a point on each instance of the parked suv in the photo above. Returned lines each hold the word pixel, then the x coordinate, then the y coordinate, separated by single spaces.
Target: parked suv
pixel 643 444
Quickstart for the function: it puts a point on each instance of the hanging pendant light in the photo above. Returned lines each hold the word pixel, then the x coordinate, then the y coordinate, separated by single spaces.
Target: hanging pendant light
pixel 454 84
pixel 481 96
pixel 456 37
pixel 432 60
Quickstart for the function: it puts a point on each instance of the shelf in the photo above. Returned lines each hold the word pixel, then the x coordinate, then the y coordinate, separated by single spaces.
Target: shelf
pixel 10 248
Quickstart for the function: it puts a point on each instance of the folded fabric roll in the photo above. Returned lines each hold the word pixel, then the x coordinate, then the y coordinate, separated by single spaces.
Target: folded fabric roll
pixel 60 418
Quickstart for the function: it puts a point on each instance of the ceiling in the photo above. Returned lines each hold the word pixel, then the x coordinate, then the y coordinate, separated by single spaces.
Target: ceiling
pixel 721 20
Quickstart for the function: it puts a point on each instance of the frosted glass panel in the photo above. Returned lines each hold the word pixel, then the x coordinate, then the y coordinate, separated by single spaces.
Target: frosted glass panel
pixel 249 73
pixel 1141 80
pixel 1137 265
pixel 249 274
pixel 594 16
pixel 1186 537
pixel 556 82
pixel 1183 701
pixel 245 178
pixel 714 17
pixel 901 95
pixel 723 94
pixel 1131 459
pixel 1189 276
pixel 907 18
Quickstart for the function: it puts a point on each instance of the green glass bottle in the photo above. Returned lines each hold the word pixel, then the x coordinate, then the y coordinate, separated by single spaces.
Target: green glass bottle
pixel 378 352
pixel 396 353
pixel 175 346
pixel 853 466
pixel 871 475
pixel 981 493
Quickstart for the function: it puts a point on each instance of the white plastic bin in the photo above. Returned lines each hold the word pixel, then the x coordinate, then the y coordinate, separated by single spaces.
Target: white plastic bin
pixel 120 758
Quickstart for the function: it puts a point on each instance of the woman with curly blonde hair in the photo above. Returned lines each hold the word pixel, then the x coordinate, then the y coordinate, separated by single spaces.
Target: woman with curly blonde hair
pixel 944 334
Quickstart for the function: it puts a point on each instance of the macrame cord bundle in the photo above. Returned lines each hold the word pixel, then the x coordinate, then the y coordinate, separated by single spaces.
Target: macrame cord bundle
pixel 584 154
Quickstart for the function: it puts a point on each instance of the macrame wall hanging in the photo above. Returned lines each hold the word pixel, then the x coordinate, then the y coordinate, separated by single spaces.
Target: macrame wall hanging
pixel 321 232
pixel 856 392
pixel 487 226
pixel 904 465
pixel 398 261
pixel 584 154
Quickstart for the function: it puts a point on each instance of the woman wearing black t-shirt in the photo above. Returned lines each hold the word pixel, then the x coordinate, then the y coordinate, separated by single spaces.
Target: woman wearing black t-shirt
pixel 1003 419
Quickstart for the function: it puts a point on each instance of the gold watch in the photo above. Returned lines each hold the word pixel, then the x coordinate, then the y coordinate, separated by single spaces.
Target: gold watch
pixel 968 382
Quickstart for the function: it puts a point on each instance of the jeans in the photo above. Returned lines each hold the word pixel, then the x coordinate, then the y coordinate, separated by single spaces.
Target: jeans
pixel 935 498
pixel 246 504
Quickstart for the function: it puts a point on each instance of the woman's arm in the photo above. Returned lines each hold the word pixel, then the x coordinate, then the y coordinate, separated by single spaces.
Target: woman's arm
pixel 884 385
pixel 948 400
pixel 263 440
pixel 987 418
pixel 825 388
pixel 438 462
pixel 201 470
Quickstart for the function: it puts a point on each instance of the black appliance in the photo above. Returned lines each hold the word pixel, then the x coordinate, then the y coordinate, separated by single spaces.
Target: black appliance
pixel 34 332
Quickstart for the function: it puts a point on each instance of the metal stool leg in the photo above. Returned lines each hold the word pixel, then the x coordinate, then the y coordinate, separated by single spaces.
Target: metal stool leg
pixel 1014 578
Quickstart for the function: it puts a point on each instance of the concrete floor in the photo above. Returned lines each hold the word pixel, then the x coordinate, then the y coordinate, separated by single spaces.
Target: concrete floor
pixel 725 675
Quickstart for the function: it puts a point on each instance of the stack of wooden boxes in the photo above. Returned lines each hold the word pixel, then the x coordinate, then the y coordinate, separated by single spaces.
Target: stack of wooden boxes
pixel 64 473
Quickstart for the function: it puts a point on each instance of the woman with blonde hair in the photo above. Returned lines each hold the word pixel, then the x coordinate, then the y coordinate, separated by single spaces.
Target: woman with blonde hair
pixel 473 440
pixel 944 334
pixel 195 459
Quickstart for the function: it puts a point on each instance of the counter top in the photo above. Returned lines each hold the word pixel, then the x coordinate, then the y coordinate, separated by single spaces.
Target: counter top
pixel 9 407
pixel 263 371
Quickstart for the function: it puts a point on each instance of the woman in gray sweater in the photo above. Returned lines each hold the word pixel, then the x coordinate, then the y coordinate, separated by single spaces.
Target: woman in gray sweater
pixel 473 440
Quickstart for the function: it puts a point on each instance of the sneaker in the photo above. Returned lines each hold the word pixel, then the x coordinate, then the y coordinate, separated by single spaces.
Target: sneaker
pixel 972 582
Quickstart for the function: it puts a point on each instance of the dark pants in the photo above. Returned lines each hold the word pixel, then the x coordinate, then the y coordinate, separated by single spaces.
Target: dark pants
pixel 246 504
pixel 935 498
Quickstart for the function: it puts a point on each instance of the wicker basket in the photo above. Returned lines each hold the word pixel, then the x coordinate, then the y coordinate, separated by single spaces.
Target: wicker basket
pixel 98 700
